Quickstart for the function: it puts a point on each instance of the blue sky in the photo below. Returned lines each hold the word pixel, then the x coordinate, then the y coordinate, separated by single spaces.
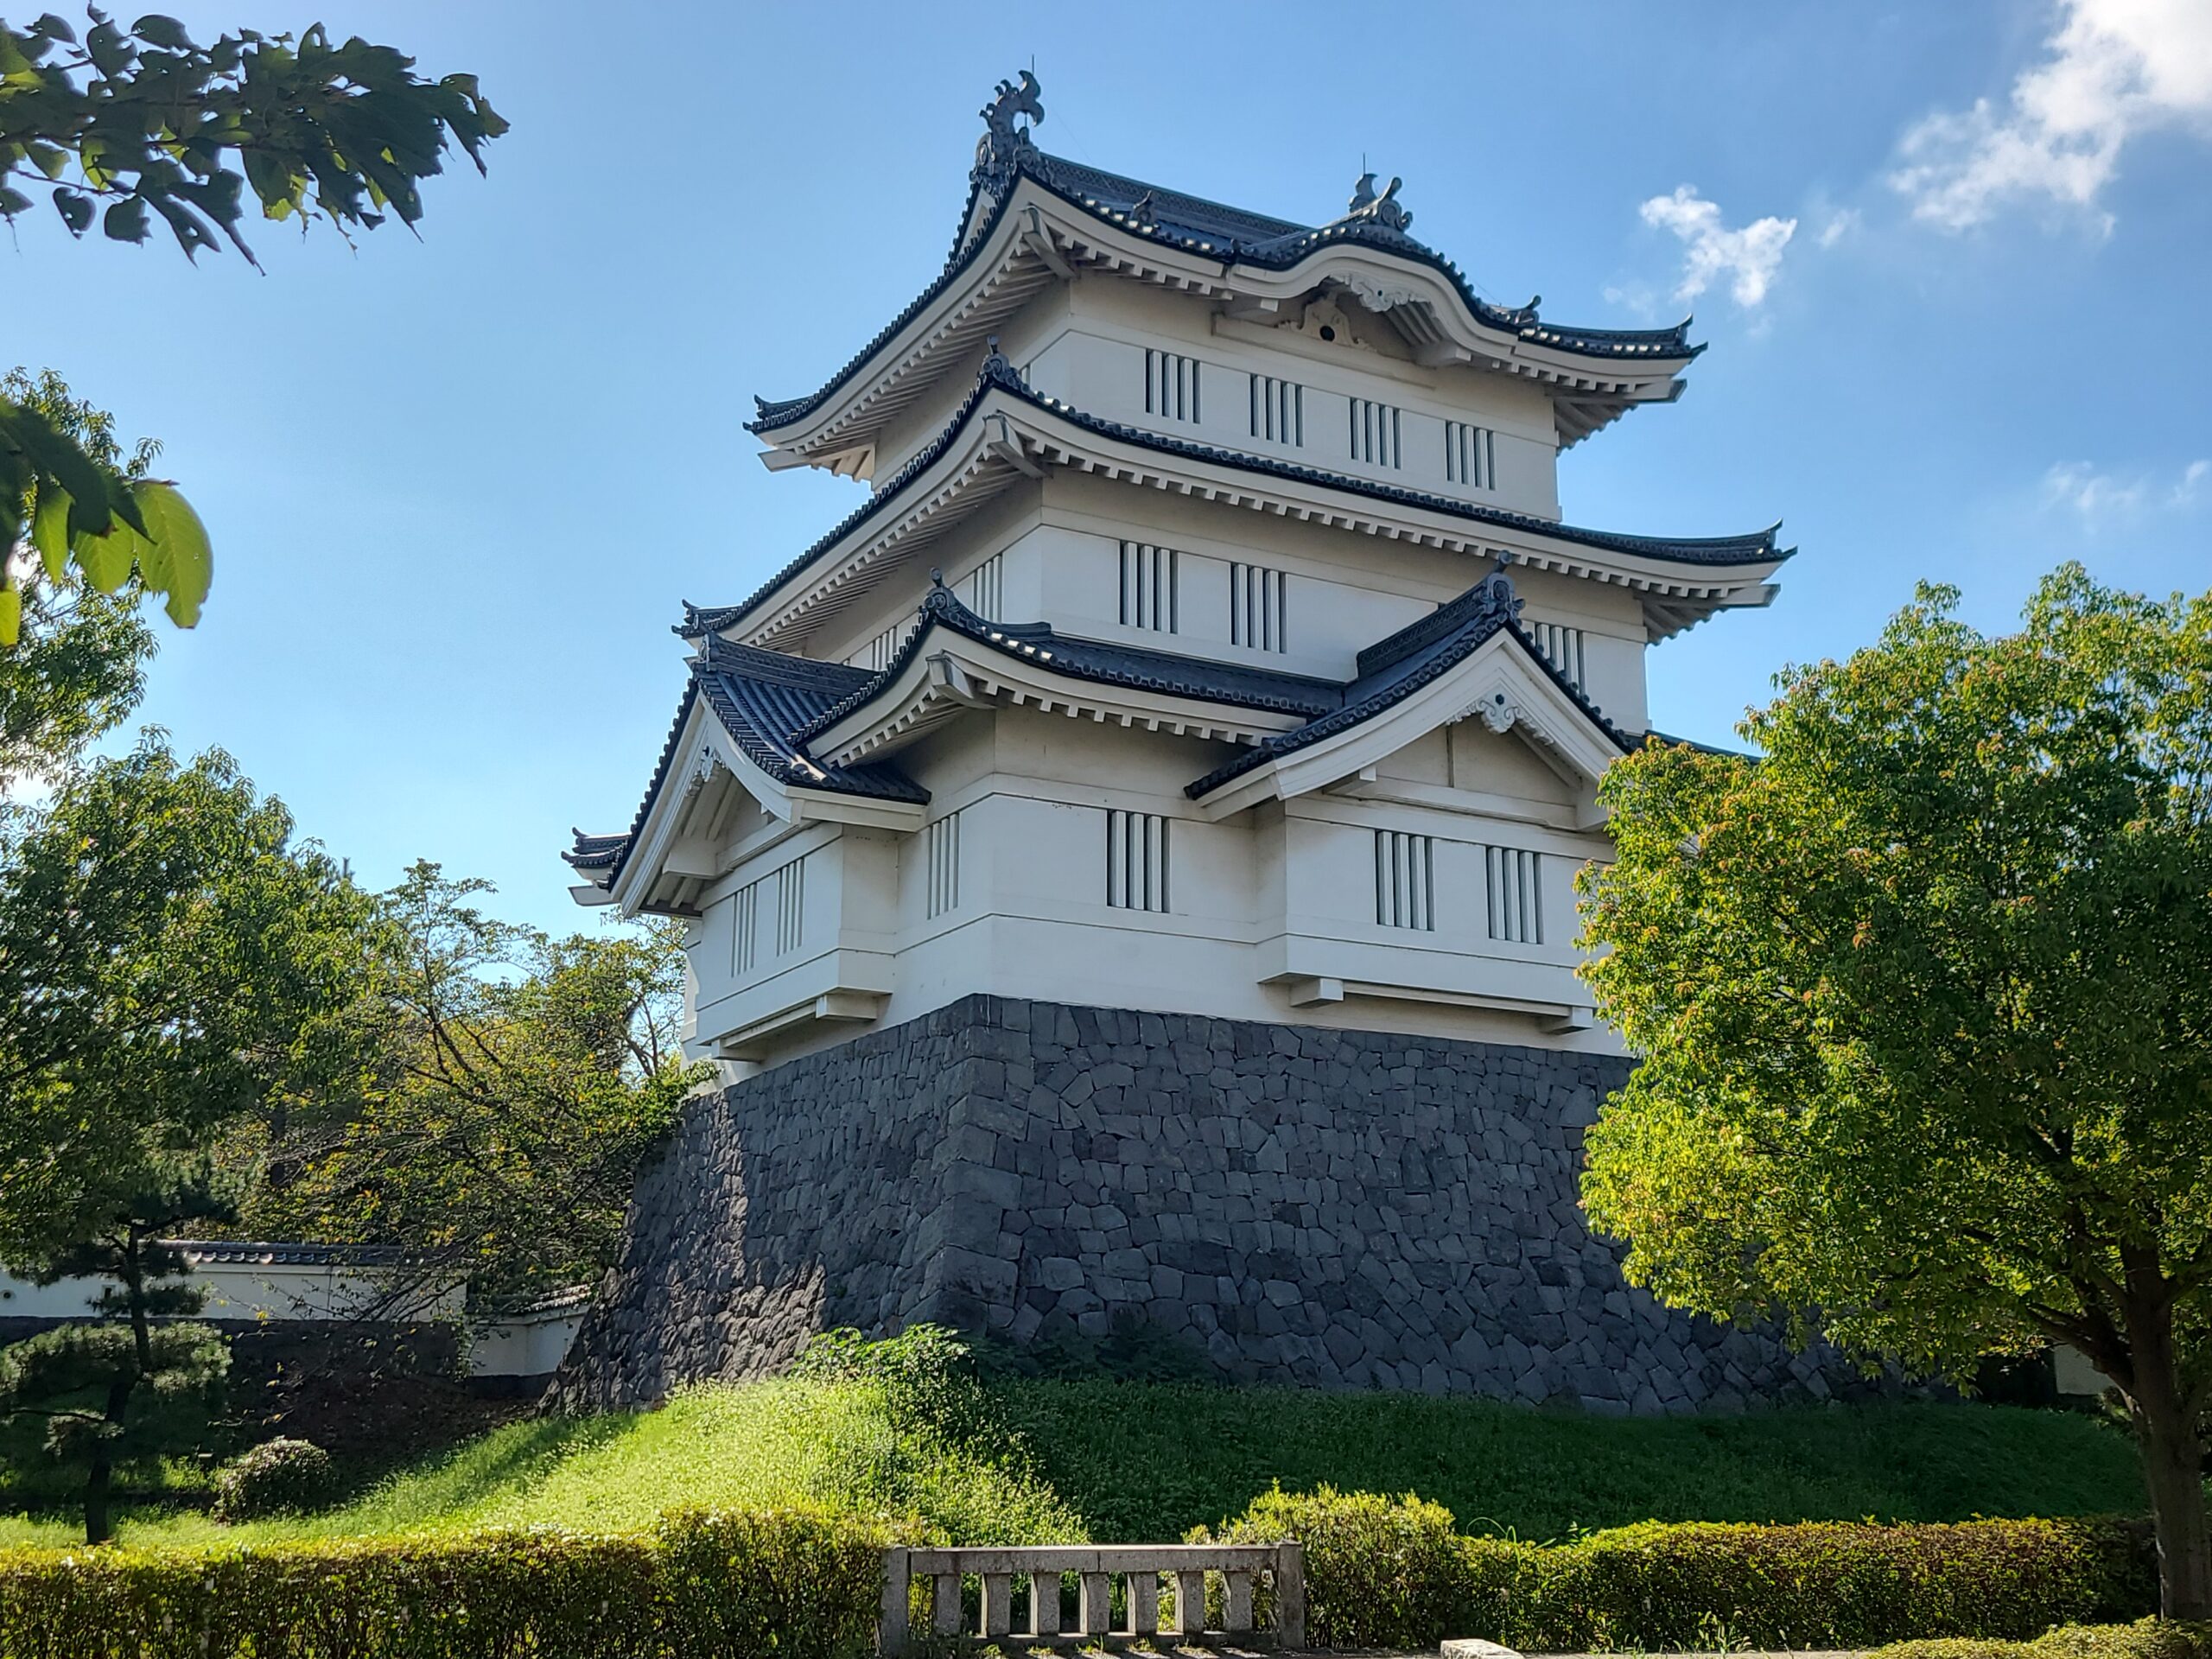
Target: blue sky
pixel 1950 261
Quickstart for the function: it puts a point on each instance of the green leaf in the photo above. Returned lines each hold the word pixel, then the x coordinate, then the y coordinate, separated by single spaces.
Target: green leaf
pixel 12 201
pixel 164 32
pixel 179 561
pixel 75 210
pixel 50 529
pixel 49 159
pixel 126 220
pixel 106 560
pixel 11 616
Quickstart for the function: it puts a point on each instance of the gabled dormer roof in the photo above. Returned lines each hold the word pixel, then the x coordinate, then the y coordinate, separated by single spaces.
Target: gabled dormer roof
pixel 1395 670
pixel 757 699
pixel 1033 219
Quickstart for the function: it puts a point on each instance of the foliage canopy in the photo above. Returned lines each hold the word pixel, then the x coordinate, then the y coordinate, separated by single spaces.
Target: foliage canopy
pixel 1923 998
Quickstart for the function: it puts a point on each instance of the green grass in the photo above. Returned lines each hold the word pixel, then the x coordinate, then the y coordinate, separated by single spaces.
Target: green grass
pixel 840 1446
pixel 1151 1461
pixel 1132 1460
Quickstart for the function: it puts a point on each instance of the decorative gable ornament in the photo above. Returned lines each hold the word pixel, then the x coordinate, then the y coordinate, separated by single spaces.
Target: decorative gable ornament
pixel 1383 209
pixel 1004 149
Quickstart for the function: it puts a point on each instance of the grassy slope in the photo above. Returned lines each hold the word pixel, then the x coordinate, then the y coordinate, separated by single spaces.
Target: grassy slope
pixel 1149 1463
pixel 1146 1461
pixel 769 1444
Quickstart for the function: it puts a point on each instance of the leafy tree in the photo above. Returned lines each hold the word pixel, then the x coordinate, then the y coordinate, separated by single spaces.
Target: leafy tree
pixel 1923 1002
pixel 76 672
pixel 171 964
pixel 523 1080
pixel 134 124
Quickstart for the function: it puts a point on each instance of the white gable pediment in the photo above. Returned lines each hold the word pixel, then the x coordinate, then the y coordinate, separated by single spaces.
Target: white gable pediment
pixel 1498 683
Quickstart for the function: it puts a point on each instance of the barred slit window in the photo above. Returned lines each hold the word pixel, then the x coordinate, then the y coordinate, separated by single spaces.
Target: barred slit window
pixel 1563 646
pixel 1151 587
pixel 1469 455
pixel 745 925
pixel 1375 429
pixel 1171 385
pixel 1515 894
pixel 876 655
pixel 1136 860
pixel 983 590
pixel 941 845
pixel 1405 878
pixel 1278 410
pixel 1259 607
pixel 791 906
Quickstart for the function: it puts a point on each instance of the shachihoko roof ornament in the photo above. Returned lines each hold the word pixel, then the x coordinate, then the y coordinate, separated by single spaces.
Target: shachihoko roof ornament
pixel 1384 209
pixel 1004 148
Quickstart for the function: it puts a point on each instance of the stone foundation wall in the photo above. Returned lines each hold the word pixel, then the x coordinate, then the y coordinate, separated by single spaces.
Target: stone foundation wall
pixel 1333 1208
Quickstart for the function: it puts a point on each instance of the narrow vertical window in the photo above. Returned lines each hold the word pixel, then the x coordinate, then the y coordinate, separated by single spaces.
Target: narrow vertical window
pixel 744 930
pixel 941 847
pixel 1171 385
pixel 1278 410
pixel 1136 860
pixel 1376 429
pixel 1405 878
pixel 1258 607
pixel 1152 582
pixel 1469 455
pixel 876 655
pixel 1515 894
pixel 983 590
pixel 791 906
pixel 1564 647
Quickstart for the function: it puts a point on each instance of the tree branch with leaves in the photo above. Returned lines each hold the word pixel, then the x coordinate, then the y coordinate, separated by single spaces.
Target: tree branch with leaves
pixel 132 126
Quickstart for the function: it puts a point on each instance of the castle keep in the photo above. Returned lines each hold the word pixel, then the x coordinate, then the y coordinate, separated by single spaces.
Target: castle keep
pixel 1128 862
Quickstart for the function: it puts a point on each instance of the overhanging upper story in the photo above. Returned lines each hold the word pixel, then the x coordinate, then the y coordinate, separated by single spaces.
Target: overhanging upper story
pixel 1006 439
pixel 1355 311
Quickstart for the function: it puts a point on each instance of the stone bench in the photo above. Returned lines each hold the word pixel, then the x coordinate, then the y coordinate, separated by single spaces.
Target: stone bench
pixel 1141 1567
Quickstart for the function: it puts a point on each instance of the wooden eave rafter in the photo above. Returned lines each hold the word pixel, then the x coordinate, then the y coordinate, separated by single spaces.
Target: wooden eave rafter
pixel 1042 239
pixel 952 673
pixel 1007 431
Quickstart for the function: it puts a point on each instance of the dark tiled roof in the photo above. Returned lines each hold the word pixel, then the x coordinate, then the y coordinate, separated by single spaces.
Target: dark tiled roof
pixel 1201 227
pixel 1131 666
pixel 1196 225
pixel 255 1253
pixel 701 619
pixel 1754 546
pixel 1395 667
pixel 761 698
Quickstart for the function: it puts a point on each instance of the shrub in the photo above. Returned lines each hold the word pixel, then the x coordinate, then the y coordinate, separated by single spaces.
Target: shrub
pixel 710 1586
pixel 278 1477
pixel 2147 1638
pixel 1379 1572
pixel 1394 1574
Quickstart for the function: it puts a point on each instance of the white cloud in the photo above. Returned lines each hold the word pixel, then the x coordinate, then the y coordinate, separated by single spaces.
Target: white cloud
pixel 1842 223
pixel 2101 498
pixel 2116 68
pixel 1749 255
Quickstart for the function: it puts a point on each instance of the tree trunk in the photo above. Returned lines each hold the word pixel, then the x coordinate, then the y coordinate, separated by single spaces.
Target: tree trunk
pixel 99 1480
pixel 2168 1432
pixel 97 1526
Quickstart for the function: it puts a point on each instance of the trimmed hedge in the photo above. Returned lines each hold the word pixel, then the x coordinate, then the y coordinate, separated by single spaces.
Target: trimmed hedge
pixel 715 1587
pixel 1386 1574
